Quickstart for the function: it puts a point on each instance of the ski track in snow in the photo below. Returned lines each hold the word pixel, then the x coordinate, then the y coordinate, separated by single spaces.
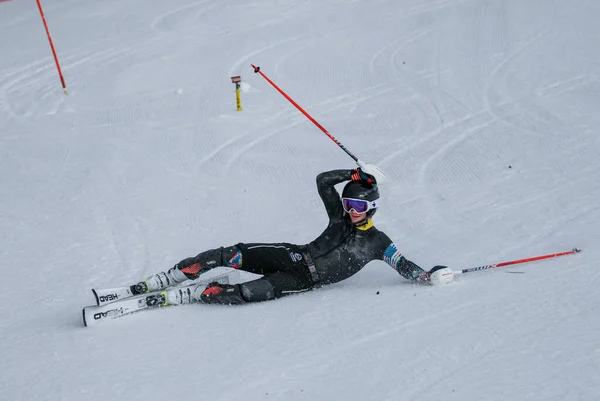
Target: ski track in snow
pixel 560 87
pixel 171 20
pixel 319 365
pixel 352 100
pixel 498 76
pixel 24 77
pixel 450 147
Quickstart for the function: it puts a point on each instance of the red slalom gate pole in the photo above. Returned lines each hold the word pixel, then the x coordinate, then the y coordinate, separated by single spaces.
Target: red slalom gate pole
pixel 62 79
pixel 315 122
pixel 516 262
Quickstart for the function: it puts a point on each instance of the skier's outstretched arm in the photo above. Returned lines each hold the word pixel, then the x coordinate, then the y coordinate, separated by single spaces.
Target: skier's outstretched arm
pixel 326 182
pixel 407 269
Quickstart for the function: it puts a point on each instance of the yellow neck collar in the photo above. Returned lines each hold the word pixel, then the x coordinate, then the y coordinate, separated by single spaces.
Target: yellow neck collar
pixel 366 226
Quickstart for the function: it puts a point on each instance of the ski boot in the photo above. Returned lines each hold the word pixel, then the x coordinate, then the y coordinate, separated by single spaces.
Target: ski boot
pixel 197 293
pixel 159 281
pixel 181 295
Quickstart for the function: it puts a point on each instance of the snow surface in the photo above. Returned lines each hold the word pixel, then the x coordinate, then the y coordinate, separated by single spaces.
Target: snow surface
pixel 483 114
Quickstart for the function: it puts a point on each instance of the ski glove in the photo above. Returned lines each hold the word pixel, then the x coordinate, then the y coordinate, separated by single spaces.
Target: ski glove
pixel 359 175
pixel 440 275
pixel 372 170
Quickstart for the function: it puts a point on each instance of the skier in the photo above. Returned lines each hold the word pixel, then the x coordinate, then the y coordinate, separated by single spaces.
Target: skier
pixel 348 243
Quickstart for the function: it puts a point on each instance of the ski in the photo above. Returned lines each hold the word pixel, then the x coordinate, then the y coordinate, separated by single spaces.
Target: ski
pixel 128 304
pixel 107 295
pixel 93 315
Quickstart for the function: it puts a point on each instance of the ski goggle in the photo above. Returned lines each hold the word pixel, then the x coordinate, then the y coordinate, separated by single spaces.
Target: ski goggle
pixel 359 205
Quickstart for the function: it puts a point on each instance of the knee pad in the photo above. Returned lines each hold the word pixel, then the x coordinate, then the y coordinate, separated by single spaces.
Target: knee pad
pixel 257 290
pixel 211 258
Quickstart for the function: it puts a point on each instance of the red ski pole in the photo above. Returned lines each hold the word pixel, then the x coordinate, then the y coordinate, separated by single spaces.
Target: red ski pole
pixel 315 122
pixel 516 262
pixel 60 74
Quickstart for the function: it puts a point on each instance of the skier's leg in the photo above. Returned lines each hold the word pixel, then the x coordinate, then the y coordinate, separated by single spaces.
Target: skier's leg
pixel 283 266
pixel 275 285
pixel 259 258
pixel 269 258
pixel 266 288
pixel 191 269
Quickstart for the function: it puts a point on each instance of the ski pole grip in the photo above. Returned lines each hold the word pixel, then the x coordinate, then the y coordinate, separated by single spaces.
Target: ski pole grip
pixel 372 170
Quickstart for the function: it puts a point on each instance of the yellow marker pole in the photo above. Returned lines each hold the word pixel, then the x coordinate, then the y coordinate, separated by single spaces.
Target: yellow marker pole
pixel 238 98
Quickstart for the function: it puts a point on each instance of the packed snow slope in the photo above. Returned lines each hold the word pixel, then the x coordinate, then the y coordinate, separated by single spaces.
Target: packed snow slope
pixel 484 114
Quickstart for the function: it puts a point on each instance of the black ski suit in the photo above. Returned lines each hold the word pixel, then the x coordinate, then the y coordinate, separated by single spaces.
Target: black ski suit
pixel 339 252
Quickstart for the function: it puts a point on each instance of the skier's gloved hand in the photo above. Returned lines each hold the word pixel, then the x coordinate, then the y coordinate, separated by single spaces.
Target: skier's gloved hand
pixel 359 175
pixel 440 275
pixel 373 171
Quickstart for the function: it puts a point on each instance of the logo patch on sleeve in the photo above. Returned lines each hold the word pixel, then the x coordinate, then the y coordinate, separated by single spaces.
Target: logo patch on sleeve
pixel 236 261
pixel 392 255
